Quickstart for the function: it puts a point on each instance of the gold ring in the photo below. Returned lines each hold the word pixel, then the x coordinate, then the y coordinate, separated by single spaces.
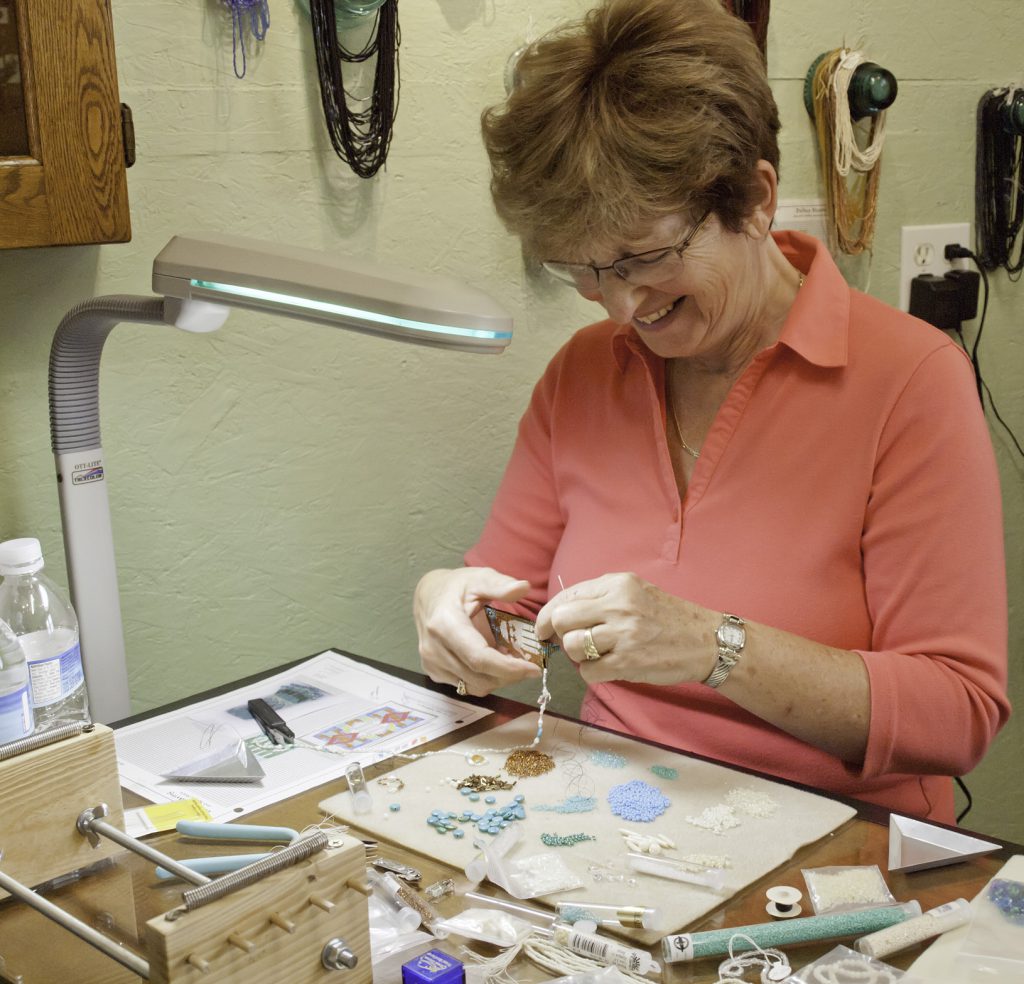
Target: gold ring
pixel 460 688
pixel 589 649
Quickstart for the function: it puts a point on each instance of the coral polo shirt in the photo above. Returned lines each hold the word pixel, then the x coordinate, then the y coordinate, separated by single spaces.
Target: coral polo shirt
pixel 847 492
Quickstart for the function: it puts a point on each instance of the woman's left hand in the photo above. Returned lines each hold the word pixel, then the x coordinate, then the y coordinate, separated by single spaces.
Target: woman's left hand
pixel 643 634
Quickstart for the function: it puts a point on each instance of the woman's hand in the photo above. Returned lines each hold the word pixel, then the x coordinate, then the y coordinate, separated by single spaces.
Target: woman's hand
pixel 454 638
pixel 643 634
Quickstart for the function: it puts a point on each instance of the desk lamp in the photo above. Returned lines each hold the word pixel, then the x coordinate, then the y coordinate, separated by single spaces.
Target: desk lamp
pixel 197 280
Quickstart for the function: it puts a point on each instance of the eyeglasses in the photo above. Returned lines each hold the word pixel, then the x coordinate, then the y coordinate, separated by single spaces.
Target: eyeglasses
pixel 650 267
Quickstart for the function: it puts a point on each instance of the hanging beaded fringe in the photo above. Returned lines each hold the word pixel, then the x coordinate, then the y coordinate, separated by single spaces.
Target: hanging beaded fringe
pixel 258 20
pixel 852 206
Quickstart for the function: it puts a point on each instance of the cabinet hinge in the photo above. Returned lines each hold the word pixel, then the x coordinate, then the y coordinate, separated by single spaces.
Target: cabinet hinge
pixel 128 134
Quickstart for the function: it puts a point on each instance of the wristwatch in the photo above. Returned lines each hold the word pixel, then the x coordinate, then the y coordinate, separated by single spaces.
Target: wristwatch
pixel 731 636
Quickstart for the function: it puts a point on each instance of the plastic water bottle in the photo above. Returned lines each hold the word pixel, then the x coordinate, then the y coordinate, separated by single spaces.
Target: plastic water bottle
pixel 47 629
pixel 15 699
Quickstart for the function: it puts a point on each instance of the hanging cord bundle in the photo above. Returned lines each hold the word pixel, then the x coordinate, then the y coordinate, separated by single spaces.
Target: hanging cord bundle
pixel 361 138
pixel 999 172
pixel 852 206
pixel 259 22
pixel 755 13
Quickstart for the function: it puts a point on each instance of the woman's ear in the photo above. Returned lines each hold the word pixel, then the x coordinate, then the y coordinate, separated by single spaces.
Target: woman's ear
pixel 759 222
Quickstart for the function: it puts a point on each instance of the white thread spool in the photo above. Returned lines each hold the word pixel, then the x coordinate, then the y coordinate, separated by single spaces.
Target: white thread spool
pixel 783 902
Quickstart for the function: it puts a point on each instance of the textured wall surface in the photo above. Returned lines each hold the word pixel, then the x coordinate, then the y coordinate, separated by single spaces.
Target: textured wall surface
pixel 279 487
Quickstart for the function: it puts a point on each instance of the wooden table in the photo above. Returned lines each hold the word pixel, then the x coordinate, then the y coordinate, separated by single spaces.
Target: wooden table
pixel 123 897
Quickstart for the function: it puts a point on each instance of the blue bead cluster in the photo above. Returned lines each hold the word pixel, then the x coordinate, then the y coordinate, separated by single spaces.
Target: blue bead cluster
pixel 637 800
pixel 565 840
pixel 493 821
pixel 574 804
pixel 1008 897
pixel 608 759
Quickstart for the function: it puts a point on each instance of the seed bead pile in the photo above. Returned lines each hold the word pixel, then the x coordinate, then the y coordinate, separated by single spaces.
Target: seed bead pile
pixel 637 800
pixel 665 771
pixel 847 887
pixel 525 762
pixel 751 802
pixel 573 804
pixel 565 840
pixel 608 760
pixel 718 819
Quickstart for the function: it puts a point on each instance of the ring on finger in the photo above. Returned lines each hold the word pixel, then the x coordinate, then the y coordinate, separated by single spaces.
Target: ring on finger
pixel 589 649
pixel 460 687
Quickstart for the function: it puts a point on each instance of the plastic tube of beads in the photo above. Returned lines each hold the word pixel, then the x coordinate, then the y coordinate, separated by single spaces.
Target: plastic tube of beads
pixel 607 951
pixel 386 893
pixel 806 929
pixel 713 878
pixel 935 921
pixel 362 801
pixel 630 916
pixel 526 911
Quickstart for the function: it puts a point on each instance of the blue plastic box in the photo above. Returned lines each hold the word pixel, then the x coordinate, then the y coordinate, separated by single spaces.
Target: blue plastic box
pixel 433 967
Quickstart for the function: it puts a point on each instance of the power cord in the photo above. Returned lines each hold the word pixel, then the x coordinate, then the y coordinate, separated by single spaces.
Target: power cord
pixel 955 252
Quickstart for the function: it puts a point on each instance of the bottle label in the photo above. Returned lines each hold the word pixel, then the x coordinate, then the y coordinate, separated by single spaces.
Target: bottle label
pixel 55 678
pixel 15 715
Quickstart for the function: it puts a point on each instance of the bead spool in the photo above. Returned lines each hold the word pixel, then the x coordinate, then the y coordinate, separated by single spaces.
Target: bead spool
pixel 783 902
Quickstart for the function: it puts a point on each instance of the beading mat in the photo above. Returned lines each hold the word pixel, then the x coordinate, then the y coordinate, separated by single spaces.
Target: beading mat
pixel 772 820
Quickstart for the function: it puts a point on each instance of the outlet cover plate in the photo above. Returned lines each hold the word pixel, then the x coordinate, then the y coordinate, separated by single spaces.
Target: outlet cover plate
pixel 921 251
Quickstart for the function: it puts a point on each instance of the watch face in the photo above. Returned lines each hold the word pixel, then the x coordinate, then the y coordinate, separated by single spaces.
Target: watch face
pixel 732 636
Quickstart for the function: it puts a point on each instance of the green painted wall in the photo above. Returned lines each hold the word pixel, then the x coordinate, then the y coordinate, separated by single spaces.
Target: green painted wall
pixel 279 487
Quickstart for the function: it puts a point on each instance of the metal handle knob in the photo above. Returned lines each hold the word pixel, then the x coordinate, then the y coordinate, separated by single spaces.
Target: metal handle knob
pixel 337 956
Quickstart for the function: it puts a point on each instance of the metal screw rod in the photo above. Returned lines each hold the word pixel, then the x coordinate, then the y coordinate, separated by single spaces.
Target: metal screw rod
pixel 82 930
pixel 90 824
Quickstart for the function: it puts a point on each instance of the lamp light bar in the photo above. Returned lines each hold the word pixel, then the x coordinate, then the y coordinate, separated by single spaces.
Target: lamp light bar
pixel 369 297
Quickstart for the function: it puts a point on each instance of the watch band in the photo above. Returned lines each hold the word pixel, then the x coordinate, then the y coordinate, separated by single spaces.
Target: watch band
pixel 729 652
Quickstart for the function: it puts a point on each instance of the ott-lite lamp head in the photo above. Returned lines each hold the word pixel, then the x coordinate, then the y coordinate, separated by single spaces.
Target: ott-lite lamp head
pixel 426 309
pixel 197 280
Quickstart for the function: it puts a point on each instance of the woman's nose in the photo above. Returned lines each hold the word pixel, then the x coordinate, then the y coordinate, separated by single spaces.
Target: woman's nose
pixel 618 297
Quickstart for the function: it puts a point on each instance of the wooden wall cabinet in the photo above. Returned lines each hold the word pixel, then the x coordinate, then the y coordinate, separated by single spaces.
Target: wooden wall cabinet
pixel 62 149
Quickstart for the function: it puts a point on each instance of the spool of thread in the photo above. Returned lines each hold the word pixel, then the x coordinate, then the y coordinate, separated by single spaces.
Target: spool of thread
pixel 714 943
pixel 783 902
pixel 934 922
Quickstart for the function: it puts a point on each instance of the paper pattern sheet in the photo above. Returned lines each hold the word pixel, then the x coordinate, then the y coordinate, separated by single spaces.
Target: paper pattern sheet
pixel 589 763
pixel 330 702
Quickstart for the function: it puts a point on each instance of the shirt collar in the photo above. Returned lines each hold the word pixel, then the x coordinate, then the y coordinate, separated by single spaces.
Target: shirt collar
pixel 817 328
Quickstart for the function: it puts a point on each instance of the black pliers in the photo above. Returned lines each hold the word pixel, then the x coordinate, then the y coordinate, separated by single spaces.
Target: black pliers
pixel 271 723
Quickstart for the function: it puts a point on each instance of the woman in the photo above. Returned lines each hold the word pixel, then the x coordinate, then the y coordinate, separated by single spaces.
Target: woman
pixel 798 478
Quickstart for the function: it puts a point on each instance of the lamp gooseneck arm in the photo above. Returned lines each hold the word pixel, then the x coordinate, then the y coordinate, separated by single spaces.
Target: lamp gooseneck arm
pixel 82 489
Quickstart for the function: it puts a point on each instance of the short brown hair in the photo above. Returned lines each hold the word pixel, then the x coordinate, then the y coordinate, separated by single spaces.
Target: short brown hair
pixel 641 109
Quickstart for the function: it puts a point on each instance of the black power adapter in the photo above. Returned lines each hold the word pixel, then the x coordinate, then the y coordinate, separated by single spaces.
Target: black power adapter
pixel 949 300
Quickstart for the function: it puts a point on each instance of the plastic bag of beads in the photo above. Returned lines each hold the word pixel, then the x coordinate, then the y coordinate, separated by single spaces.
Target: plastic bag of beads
pixel 489 926
pixel 842 965
pixel 844 888
pixel 994 945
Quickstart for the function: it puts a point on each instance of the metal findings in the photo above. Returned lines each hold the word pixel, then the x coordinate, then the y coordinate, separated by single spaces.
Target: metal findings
pixel 527 762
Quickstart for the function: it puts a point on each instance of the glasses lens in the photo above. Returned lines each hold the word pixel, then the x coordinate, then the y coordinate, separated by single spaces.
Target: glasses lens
pixel 647 268
pixel 577 275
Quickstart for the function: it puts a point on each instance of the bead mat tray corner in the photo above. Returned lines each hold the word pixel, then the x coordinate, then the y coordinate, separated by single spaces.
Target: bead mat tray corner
pixel 589 763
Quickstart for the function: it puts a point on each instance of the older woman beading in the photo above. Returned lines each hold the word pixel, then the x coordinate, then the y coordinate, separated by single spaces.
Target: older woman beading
pixel 783 465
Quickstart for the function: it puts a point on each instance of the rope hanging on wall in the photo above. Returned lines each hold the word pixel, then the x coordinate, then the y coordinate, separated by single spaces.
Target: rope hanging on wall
pixel 999 173
pixel 361 138
pixel 851 205
pixel 259 22
pixel 755 13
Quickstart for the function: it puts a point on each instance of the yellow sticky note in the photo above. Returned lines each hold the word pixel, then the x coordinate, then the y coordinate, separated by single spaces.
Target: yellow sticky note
pixel 163 816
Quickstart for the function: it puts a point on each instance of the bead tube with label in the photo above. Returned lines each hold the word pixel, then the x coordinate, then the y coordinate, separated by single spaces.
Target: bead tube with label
pixel 607 951
pixel 630 916
pixel 934 922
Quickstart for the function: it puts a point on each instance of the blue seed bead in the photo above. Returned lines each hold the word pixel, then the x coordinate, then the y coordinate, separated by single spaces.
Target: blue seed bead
pixel 519 797
pixel 474 797
pixel 459 834
pixel 465 790
pixel 395 807
pixel 489 799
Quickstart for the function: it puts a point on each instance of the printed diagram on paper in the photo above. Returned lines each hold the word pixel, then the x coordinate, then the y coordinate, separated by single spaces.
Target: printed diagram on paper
pixel 340 710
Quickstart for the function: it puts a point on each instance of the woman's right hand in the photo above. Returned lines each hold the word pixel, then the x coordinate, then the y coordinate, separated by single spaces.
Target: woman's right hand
pixel 454 638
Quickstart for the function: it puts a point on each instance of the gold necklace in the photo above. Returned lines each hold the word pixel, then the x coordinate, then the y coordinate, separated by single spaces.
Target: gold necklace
pixel 692 452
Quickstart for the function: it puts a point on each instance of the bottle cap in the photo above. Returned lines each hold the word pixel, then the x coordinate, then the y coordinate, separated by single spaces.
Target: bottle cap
pixel 21 556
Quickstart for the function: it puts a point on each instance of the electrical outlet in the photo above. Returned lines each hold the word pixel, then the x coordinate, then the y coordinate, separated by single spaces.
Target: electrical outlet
pixel 922 250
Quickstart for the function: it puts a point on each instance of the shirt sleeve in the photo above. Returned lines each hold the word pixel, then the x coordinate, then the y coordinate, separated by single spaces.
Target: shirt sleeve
pixel 934 573
pixel 525 523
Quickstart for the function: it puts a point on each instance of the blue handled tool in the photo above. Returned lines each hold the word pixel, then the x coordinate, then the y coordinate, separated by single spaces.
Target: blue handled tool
pixel 239 832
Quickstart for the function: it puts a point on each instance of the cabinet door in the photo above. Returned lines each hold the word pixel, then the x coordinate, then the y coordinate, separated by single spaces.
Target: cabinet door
pixel 62 170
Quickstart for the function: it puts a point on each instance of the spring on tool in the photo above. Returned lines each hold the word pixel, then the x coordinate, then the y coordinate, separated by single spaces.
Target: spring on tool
pixel 32 742
pixel 194 898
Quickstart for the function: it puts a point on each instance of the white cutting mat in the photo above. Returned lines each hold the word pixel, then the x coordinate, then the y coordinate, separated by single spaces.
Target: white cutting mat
pixel 755 847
